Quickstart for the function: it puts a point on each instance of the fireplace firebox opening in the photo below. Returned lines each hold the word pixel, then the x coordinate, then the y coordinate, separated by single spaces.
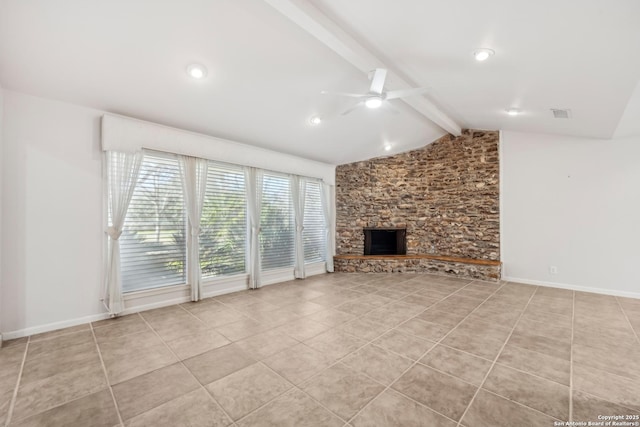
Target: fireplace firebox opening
pixel 385 241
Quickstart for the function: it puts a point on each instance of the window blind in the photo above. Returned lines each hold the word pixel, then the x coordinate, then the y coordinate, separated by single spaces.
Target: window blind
pixel 276 223
pixel 313 234
pixel 223 225
pixel 152 243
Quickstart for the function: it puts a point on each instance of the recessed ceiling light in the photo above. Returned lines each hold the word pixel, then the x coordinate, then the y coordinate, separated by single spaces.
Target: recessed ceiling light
pixel 373 102
pixel 387 147
pixel 483 54
pixel 197 71
pixel 512 111
pixel 315 120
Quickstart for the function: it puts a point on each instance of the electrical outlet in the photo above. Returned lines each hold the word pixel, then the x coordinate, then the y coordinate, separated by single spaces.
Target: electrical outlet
pixel 553 269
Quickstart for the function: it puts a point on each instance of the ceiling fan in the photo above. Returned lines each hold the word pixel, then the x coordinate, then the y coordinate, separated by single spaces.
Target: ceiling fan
pixel 376 95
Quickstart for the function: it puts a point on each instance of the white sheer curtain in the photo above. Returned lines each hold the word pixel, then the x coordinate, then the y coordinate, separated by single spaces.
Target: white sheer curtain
pixel 123 170
pixel 194 183
pixel 253 180
pixel 329 220
pixel 298 193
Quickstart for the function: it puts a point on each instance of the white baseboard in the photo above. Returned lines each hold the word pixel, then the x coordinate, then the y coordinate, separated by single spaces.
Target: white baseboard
pixel 162 297
pixel 612 292
pixel 315 269
pixel 53 326
pixel 152 305
pixel 285 274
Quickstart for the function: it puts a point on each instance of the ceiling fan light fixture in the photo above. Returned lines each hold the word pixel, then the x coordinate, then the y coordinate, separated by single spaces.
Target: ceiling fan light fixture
pixel 483 54
pixel 315 120
pixel 373 102
pixel 197 71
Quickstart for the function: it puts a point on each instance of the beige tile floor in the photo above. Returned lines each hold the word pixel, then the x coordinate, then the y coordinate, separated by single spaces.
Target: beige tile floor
pixel 338 350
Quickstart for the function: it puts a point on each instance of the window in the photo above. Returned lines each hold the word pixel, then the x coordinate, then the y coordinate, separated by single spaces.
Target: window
pixel 313 234
pixel 276 222
pixel 152 244
pixel 223 223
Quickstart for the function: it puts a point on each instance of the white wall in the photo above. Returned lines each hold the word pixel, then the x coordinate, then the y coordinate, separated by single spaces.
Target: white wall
pixel 572 203
pixel 52 219
pixel 52 212
pixel 1 133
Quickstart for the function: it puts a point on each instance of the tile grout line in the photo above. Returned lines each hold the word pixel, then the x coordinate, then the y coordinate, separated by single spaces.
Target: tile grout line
pixel 106 377
pixel 393 390
pixel 357 317
pixel 360 316
pixel 513 328
pixel 431 348
pixel 471 354
pixel 14 396
pixel 294 387
pixel 533 351
pixel 59 335
pixel 371 342
pixel 604 399
pixel 76 398
pixel 573 321
pixel 392 301
pixel 339 360
pixel 190 373
pixel 436 343
pixel 487 360
pixel 628 320
pixel 475 385
pixel 519 404
pixel 232 342
pixel 193 315
pixel 476 356
pixel 248 317
pixel 214 329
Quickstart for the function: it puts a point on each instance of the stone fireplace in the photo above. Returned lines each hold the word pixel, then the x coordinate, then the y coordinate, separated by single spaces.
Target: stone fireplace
pixel 445 197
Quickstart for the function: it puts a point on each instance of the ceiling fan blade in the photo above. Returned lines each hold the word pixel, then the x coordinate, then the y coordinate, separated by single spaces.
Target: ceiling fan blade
pixel 350 109
pixel 377 81
pixel 350 95
pixel 403 93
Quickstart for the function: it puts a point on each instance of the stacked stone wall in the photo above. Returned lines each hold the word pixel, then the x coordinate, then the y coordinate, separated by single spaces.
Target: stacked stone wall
pixel 446 195
pixel 392 265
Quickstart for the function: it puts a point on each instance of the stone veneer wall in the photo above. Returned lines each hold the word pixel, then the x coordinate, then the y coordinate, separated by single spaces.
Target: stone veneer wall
pixel 446 195
pixel 394 265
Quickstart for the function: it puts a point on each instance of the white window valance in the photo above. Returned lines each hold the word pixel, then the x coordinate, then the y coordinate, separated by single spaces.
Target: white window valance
pixel 127 135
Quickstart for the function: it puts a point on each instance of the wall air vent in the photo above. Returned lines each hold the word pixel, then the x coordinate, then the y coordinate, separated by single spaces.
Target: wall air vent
pixel 559 113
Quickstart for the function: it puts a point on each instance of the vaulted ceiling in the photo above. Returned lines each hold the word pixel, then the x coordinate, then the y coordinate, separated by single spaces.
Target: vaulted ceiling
pixel 269 60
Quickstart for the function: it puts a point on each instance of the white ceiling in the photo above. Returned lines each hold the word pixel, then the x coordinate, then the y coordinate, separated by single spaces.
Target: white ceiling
pixel 266 72
pixel 629 125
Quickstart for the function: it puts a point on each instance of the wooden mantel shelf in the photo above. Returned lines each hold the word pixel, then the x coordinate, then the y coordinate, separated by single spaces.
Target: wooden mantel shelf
pixel 432 257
